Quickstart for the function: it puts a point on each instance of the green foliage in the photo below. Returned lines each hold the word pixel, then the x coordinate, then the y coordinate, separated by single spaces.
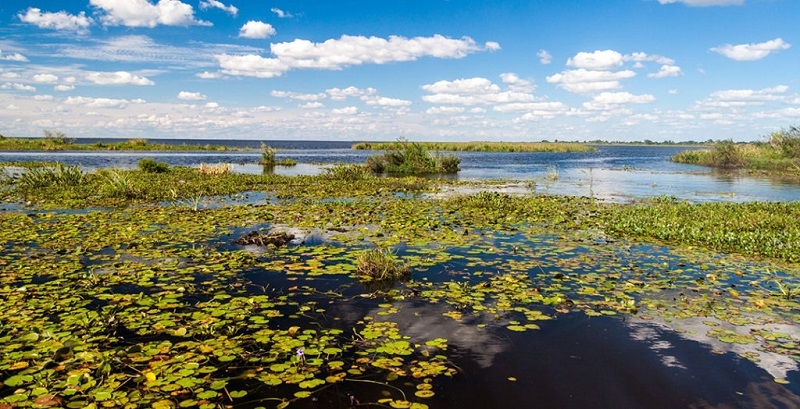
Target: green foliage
pixel 150 165
pixel 61 175
pixel 486 146
pixel 267 155
pixel 726 154
pixel 787 141
pixel 781 153
pixel 379 265
pixel 345 172
pixel 412 158
pixel 119 184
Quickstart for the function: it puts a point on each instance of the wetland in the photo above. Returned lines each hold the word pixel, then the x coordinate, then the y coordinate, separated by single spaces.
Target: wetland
pixel 611 278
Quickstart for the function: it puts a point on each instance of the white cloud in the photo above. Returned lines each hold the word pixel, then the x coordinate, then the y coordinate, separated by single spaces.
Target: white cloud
pixel 191 96
pixel 9 75
pixel 280 13
pixel 492 46
pixel 142 13
pixel 13 57
pixel 515 83
pixel 256 29
pixel 386 102
pixel 704 3
pixel 312 105
pixel 64 87
pixel 544 57
pixel 336 54
pixel 744 97
pixel 667 71
pixel 444 110
pixel 610 100
pixel 98 102
pixel 298 96
pixel 45 78
pixel 219 5
pixel 751 52
pixel 211 105
pixel 584 81
pixel 604 60
pixel 337 94
pixel 18 86
pixel 474 91
pixel 57 21
pixel 345 111
pixel 209 75
pixel 43 97
pixel 117 78
pixel 643 57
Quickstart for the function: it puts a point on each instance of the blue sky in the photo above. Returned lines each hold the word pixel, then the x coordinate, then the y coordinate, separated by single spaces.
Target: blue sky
pixel 377 70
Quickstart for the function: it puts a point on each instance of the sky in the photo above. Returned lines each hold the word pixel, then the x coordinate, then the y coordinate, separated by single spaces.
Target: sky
pixel 432 70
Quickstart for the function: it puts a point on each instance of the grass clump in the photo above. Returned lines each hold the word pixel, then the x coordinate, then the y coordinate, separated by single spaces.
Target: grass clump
pixel 343 171
pixel 218 169
pixel 61 175
pixel 149 165
pixel 379 265
pixel 412 158
pixel 267 155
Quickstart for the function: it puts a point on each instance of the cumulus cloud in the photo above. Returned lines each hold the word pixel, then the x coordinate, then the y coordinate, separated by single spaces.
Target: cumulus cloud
pixel 232 10
pixel 57 21
pixel 610 100
pixel 298 96
pixel 474 91
pixel 191 96
pixel 209 75
pixel 143 13
pixel 256 29
pixel 386 102
pixel 117 78
pixel 338 94
pixel 18 86
pixel 64 87
pixel 45 78
pixel 312 105
pixel 449 110
pixel 744 97
pixel 345 111
pixel 544 57
pixel 752 52
pixel 667 71
pixel 644 57
pixel 704 3
pixel 336 54
pixel 280 13
pixel 13 57
pixel 584 81
pixel 604 60
pixel 515 83
pixel 98 102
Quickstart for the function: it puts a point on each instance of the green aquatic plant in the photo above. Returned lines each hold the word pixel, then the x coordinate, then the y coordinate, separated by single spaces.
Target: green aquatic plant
pixel 59 175
pixel 149 165
pixel 348 172
pixel 119 184
pixel 267 155
pixel 412 158
pixel 380 265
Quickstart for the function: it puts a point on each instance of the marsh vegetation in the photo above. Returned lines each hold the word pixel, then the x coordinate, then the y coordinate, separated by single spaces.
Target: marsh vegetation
pixel 195 288
pixel 485 146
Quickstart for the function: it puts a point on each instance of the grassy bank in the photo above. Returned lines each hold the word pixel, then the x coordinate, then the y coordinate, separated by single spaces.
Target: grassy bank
pixel 411 158
pixel 780 153
pixel 61 142
pixel 486 146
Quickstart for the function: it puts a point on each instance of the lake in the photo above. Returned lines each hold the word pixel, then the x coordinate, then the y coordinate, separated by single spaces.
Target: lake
pixel 612 173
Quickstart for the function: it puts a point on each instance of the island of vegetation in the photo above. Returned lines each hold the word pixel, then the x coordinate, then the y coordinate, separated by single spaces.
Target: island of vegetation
pixel 59 141
pixel 780 153
pixel 485 146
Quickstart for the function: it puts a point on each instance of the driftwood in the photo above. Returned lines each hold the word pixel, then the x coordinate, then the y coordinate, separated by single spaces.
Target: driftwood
pixel 275 239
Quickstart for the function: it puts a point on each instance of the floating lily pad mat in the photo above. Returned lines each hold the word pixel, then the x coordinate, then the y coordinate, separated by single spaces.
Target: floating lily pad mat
pixel 158 307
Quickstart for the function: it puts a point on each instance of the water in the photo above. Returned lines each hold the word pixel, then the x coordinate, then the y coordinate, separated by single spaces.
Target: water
pixel 613 173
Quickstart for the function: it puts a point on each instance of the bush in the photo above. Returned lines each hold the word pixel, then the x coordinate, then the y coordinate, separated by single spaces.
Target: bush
pixel 48 176
pixel 149 165
pixel 788 141
pixel 726 154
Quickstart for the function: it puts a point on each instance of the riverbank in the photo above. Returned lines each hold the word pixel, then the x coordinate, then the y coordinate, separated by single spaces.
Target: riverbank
pixel 562 147
pixel 63 143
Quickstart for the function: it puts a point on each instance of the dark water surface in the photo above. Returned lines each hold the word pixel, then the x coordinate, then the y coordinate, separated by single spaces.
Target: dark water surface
pixel 615 173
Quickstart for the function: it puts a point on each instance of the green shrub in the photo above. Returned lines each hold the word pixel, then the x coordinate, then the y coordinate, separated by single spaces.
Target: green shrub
pixel 788 141
pixel 149 165
pixel 726 154
pixel 119 184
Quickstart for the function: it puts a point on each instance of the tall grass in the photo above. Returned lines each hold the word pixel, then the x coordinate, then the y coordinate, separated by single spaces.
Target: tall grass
pixel 486 146
pixel 781 152
pixel 267 155
pixel 412 158
pixel 51 175
pixel 379 265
